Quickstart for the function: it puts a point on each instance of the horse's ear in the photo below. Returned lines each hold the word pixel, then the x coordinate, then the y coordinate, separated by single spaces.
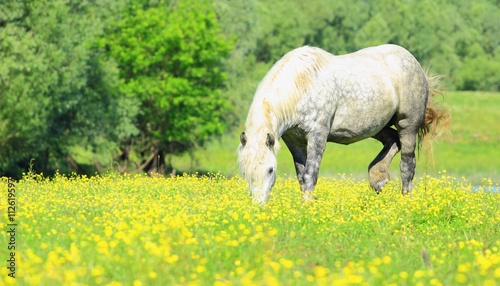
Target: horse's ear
pixel 270 140
pixel 243 139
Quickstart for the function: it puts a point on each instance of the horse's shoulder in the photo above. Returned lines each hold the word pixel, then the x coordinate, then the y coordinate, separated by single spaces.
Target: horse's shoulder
pixel 307 52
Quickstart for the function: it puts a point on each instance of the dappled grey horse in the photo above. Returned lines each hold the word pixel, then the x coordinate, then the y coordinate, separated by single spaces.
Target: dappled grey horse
pixel 311 97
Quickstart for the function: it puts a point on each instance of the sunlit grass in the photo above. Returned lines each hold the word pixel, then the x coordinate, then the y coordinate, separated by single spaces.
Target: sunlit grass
pixel 123 230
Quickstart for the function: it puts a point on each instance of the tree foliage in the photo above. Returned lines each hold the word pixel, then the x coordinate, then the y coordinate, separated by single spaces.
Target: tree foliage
pixel 55 91
pixel 170 57
pixel 95 83
pixel 458 39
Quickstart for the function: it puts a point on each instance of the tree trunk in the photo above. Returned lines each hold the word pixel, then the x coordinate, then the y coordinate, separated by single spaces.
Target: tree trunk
pixel 74 165
pixel 155 164
pixel 124 159
pixel 97 165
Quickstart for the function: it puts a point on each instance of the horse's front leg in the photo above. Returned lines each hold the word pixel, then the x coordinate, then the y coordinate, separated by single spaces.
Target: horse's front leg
pixel 316 143
pixel 298 148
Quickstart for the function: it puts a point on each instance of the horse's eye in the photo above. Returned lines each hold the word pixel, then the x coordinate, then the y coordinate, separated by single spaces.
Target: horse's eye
pixel 270 171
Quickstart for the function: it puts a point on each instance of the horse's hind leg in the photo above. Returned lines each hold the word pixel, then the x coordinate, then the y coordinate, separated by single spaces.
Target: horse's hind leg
pixel 408 140
pixel 378 169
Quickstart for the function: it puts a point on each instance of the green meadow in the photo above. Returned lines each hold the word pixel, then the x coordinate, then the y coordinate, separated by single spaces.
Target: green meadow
pixel 190 230
pixel 470 149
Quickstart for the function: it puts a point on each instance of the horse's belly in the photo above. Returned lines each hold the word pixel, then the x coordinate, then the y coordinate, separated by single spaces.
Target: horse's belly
pixel 355 126
pixel 346 137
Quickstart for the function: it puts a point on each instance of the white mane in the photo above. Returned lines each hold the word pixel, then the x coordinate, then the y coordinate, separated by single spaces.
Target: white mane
pixel 283 86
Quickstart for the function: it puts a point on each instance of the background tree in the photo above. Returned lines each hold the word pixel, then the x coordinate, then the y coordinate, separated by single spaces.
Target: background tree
pixel 170 58
pixel 56 94
pixel 239 21
pixel 478 47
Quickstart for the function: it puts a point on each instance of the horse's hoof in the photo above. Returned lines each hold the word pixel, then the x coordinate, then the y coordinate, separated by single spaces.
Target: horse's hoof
pixel 308 196
pixel 406 193
pixel 377 187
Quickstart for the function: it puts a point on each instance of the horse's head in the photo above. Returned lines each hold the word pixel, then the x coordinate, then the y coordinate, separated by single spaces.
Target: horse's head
pixel 257 159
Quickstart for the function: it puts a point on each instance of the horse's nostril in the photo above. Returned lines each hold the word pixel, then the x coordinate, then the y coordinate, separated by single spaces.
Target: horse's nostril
pixel 271 170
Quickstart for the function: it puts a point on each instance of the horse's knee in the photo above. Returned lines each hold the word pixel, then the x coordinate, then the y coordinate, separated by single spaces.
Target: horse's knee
pixel 408 162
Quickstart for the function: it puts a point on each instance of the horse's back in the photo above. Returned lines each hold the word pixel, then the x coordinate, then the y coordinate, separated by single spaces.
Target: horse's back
pixel 390 60
pixel 387 71
pixel 384 50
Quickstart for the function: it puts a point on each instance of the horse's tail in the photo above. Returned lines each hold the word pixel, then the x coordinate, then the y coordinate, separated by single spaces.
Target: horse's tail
pixel 436 120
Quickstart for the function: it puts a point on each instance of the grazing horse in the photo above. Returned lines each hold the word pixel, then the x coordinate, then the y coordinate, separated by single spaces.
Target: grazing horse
pixel 311 97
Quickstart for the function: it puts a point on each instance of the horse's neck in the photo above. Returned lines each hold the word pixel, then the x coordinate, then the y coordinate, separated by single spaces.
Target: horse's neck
pixel 270 114
pixel 260 123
